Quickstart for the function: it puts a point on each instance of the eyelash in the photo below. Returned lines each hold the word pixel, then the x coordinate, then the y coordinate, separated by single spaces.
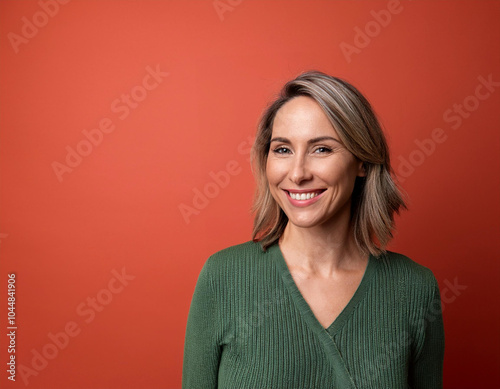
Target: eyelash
pixel 327 149
pixel 280 149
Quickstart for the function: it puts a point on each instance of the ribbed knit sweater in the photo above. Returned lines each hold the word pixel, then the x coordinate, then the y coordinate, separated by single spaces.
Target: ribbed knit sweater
pixel 250 327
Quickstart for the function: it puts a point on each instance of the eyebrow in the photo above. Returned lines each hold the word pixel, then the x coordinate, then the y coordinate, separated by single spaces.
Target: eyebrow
pixel 310 141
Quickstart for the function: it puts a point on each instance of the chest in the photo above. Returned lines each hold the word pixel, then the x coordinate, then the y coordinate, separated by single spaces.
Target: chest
pixel 327 297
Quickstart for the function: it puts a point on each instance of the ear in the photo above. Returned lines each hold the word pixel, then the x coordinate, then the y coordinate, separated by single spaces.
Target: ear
pixel 362 169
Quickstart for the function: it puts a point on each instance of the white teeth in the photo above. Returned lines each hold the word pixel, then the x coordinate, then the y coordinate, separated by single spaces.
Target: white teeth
pixel 303 196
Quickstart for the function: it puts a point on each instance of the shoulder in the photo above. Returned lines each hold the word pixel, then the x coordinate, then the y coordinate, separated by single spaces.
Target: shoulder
pixel 413 286
pixel 236 258
pixel 235 270
pixel 404 269
pixel 248 249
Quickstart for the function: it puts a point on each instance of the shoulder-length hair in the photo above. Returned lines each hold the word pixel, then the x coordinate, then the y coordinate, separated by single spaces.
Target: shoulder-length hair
pixel 375 196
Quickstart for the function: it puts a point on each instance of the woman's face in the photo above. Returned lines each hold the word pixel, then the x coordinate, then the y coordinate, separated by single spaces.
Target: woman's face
pixel 310 173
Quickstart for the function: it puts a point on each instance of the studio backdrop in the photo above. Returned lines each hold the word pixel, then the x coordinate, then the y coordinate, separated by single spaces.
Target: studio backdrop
pixel 126 129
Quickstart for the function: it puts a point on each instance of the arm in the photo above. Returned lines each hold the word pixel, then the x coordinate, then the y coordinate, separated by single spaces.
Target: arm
pixel 201 348
pixel 426 371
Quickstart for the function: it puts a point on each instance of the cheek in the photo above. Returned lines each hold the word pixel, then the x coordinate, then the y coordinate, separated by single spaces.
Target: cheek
pixel 269 173
pixel 331 173
pixel 339 171
pixel 274 172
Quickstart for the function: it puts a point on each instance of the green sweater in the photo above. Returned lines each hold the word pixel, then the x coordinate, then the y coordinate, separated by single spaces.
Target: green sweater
pixel 250 327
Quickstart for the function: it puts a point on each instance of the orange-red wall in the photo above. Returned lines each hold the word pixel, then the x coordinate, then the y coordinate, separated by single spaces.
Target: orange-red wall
pixel 131 204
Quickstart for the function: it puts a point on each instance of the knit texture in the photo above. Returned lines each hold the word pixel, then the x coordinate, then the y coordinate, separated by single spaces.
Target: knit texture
pixel 250 328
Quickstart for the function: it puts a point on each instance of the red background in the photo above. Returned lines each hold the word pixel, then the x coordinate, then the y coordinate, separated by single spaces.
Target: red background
pixel 120 208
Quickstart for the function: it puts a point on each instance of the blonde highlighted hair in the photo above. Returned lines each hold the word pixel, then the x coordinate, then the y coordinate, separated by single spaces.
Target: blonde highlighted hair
pixel 375 198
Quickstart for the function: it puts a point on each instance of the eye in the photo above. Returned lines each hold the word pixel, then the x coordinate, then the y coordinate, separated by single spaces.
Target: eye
pixel 323 150
pixel 281 150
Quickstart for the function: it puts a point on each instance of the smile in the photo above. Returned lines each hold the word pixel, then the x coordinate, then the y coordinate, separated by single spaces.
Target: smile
pixel 303 196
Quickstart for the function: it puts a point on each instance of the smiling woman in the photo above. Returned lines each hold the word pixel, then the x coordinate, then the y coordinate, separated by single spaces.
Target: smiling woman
pixel 315 300
pixel 310 166
pixel 344 114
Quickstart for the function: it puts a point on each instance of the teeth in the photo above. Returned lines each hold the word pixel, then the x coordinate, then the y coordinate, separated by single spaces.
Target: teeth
pixel 303 196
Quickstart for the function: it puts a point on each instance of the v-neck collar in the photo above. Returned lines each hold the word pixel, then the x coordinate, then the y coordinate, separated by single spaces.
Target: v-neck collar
pixel 304 307
pixel 342 377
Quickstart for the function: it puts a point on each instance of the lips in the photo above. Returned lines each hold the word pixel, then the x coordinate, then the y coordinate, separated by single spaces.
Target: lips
pixel 303 196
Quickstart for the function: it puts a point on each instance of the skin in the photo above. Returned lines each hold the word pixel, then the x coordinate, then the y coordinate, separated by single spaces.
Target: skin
pixel 318 244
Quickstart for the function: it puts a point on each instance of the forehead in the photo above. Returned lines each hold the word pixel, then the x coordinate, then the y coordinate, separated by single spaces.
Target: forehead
pixel 302 117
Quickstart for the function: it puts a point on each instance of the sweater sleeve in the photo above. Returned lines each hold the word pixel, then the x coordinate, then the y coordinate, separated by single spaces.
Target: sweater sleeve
pixel 201 348
pixel 426 371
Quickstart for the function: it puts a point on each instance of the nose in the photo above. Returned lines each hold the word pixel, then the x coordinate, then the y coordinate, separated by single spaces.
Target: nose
pixel 299 171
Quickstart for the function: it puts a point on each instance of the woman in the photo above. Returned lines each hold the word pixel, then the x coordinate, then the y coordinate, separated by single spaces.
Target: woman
pixel 315 300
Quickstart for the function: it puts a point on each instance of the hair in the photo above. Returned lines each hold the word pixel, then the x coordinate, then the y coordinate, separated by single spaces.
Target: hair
pixel 376 196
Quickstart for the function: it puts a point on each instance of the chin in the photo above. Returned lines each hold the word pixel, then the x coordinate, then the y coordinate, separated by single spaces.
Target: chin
pixel 304 223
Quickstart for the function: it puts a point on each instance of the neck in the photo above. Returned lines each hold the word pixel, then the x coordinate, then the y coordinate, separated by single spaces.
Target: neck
pixel 322 250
